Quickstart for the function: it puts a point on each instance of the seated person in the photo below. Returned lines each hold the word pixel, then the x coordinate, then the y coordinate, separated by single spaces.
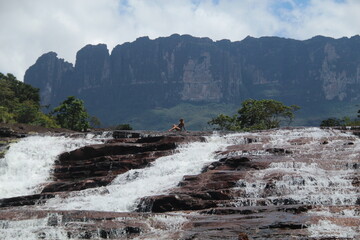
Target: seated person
pixel 178 127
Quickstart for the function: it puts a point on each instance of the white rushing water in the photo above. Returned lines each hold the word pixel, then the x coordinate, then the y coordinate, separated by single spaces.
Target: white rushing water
pixel 30 229
pixel 124 192
pixel 28 163
pixel 314 173
pixel 160 227
pixel 318 172
pixel 163 174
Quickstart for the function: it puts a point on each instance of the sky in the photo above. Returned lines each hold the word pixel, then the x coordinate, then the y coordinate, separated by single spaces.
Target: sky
pixel 30 28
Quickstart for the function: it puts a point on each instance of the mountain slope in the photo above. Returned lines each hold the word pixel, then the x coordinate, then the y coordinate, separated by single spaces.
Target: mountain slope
pixel 139 79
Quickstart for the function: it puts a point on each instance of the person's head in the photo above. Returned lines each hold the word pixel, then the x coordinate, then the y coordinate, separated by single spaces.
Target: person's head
pixel 181 120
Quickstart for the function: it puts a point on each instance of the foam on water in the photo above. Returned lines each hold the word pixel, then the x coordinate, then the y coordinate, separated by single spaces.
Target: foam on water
pixel 296 181
pixel 317 172
pixel 30 229
pixel 125 191
pixel 339 222
pixel 54 227
pixel 325 228
pixel 320 179
pixel 28 163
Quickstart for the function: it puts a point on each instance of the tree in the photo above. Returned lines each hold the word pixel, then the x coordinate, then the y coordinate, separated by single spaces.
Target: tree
pixel 72 114
pixel 264 114
pixel 225 122
pixel 256 115
pixel 19 102
pixel 26 112
pixel 331 122
pixel 45 120
pixel 5 115
pixel 94 122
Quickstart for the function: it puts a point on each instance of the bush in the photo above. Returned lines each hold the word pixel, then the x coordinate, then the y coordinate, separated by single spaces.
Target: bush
pixel 6 116
pixel 332 122
pixel 71 114
pixel 44 120
pixel 256 115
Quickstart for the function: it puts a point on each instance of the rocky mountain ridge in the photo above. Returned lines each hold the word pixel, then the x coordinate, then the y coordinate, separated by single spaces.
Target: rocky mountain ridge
pixel 161 73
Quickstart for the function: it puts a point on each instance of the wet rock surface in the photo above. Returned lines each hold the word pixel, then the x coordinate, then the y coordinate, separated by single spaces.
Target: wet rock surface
pixel 278 184
pixel 97 165
pixel 259 190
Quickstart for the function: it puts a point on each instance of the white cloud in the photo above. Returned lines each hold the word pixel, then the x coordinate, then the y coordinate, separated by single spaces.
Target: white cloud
pixel 327 17
pixel 30 28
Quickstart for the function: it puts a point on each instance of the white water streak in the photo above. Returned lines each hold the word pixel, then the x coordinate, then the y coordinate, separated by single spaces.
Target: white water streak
pixel 325 228
pixel 125 191
pixel 30 229
pixel 309 175
pixel 28 163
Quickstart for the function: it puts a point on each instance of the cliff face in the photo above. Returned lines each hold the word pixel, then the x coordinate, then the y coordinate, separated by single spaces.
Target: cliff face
pixel 51 75
pixel 166 71
pixel 92 67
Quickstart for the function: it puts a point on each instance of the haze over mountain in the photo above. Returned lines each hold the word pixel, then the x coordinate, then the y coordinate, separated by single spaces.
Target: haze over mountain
pixel 149 83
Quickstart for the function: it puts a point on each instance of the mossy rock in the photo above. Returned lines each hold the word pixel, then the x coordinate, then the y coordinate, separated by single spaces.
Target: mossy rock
pixel 6 132
pixel 5 145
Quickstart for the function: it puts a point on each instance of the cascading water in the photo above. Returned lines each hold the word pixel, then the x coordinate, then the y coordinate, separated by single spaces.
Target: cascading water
pixel 313 169
pixel 313 174
pixel 28 163
pixel 317 173
pixel 164 174
pixel 124 192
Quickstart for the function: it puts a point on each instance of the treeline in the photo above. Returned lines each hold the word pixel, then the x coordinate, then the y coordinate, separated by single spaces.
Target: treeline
pixel 345 121
pixel 267 114
pixel 256 115
pixel 20 103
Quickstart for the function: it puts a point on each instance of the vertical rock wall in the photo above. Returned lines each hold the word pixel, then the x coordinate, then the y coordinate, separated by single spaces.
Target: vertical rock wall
pixel 146 73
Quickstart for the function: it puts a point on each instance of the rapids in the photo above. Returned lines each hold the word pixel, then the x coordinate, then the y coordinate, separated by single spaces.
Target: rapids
pixel 123 193
pixel 27 164
pixel 317 168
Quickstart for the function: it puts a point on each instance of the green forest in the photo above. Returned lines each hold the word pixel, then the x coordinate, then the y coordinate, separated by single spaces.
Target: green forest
pixel 20 103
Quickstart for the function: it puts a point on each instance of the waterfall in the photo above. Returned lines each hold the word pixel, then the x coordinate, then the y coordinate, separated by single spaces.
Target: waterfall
pixel 123 193
pixel 316 167
pixel 121 196
pixel 28 163
pixel 315 174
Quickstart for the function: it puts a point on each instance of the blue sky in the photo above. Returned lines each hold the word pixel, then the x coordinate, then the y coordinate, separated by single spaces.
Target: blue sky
pixel 30 28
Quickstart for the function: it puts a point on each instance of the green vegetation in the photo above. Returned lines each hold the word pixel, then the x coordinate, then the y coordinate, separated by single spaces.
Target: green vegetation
pixel 330 122
pixel 313 113
pixel 72 114
pixel 20 103
pixel 345 121
pixel 256 115
pixel 94 122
